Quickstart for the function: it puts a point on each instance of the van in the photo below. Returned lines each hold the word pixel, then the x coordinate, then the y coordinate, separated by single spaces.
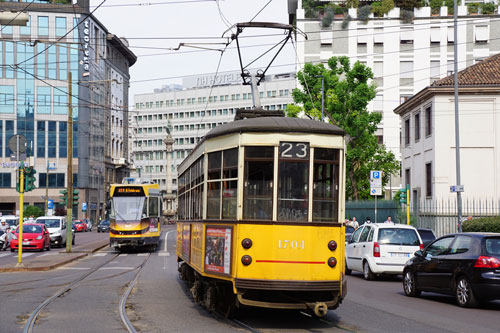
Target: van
pixel 11 220
pixel 57 229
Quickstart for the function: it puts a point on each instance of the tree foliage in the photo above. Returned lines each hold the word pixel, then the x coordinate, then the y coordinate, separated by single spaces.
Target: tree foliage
pixel 347 93
pixel 33 211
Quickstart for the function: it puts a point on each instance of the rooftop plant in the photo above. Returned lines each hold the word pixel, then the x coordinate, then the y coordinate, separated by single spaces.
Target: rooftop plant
pixel 364 13
pixel 487 8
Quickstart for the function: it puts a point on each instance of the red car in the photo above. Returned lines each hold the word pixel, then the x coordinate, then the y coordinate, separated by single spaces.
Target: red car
pixel 35 237
pixel 80 225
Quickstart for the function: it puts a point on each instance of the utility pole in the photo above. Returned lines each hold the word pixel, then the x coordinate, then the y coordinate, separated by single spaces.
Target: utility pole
pixel 47 190
pixel 69 174
pixel 21 206
pixel 457 127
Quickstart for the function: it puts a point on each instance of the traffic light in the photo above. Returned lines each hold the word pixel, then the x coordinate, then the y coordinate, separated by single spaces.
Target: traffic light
pixel 402 195
pixel 18 181
pixel 64 197
pixel 75 197
pixel 29 179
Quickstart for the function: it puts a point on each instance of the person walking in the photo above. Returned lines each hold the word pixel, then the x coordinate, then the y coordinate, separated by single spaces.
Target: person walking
pixel 389 220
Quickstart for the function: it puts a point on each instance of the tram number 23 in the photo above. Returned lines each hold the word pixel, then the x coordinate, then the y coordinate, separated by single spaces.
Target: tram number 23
pixel 294 150
pixel 290 244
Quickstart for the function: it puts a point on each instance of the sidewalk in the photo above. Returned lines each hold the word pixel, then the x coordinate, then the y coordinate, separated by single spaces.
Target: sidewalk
pixel 57 257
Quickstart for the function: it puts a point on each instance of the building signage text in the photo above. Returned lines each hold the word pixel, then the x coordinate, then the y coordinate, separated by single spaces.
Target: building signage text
pixel 86 40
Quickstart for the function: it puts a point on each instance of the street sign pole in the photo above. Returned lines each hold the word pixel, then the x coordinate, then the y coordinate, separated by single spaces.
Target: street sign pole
pixel 21 206
pixel 376 209
pixel 408 204
pixel 69 210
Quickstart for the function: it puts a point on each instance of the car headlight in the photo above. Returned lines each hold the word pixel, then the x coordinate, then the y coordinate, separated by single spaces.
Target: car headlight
pixel 39 237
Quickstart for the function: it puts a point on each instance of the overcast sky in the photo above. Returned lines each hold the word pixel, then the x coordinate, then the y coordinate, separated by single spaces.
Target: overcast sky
pixel 186 19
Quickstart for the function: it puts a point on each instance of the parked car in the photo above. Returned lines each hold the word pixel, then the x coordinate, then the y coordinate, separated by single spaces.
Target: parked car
pixel 381 248
pixel 80 226
pixel 465 265
pixel 57 229
pixel 35 237
pixel 427 235
pixel 103 226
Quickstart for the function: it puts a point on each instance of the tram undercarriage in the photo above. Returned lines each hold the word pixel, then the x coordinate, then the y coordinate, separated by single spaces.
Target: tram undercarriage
pixel 217 295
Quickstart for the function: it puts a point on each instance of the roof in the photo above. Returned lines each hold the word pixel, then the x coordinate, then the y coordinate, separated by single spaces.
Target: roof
pixel 484 73
pixel 275 124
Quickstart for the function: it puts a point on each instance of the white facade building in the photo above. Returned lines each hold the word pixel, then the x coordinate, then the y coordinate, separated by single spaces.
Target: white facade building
pixel 428 136
pixel 405 58
pixel 188 112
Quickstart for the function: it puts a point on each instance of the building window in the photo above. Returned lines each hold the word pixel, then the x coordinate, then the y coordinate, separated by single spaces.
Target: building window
pixel 40 139
pixel 52 142
pixel 63 139
pixel 417 127
pixel 428 121
pixel 406 35
pixel 60 26
pixel 43 25
pixel 407 132
pixel 5 180
pixel 428 180
pixel 435 35
pixel 481 33
pixel 6 99
pixel 406 72
pixel 56 180
pixel 404 98
pixel 435 70
pixel 26 30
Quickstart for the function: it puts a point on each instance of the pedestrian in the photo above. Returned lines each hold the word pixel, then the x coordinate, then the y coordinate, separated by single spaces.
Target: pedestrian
pixel 354 223
pixel 389 220
pixel 368 220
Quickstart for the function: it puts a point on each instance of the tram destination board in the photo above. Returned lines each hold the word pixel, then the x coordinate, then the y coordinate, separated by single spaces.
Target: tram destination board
pixel 129 191
pixel 294 150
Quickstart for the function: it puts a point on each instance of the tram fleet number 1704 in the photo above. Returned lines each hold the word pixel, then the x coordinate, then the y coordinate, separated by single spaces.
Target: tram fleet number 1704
pixel 260 202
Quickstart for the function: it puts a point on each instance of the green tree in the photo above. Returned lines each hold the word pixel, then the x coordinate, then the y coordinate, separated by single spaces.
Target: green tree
pixel 33 210
pixel 347 93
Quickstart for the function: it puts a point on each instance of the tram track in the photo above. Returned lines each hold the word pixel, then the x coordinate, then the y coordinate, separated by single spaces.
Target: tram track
pixel 30 323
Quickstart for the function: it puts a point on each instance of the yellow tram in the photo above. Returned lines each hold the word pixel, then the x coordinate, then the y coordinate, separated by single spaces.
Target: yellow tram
pixel 260 202
pixel 135 216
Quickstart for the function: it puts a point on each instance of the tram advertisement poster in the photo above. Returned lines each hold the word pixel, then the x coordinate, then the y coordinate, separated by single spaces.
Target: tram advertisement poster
pixel 186 242
pixel 153 224
pixel 218 250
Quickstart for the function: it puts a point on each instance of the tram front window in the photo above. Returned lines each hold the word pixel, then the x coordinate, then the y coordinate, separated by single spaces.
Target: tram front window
pixel 128 208
pixel 326 185
pixel 258 183
pixel 293 179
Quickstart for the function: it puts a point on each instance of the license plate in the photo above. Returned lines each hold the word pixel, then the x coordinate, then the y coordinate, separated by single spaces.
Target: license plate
pixel 400 254
pixel 26 243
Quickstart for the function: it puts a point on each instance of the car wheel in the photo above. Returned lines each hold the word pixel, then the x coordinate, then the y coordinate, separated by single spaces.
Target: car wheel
pixel 367 272
pixel 12 250
pixel 48 247
pixel 347 270
pixel 464 294
pixel 409 284
pixel 98 230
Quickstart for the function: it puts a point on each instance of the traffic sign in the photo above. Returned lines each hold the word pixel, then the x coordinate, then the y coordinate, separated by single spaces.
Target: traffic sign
pixel 457 188
pixel 376 191
pixel 374 174
pixel 84 207
pixel 50 204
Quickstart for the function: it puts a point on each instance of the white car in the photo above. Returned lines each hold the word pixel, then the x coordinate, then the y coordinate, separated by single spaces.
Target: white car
pixel 381 248
pixel 57 229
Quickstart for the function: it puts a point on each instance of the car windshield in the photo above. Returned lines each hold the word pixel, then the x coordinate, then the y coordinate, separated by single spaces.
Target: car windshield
pixel 32 229
pixel 11 222
pixel 398 236
pixel 105 223
pixel 127 208
pixel 54 223
pixel 493 246
pixel 426 235
pixel 349 230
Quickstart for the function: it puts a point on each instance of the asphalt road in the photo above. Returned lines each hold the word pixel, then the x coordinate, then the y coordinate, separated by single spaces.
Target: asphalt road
pixel 161 302
pixel 81 238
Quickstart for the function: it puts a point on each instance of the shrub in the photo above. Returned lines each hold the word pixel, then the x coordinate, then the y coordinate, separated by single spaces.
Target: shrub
pixel 345 21
pixel 364 13
pixel 387 5
pixel 435 6
pixel 409 4
pixel 406 16
pixel 327 20
pixel 473 7
pixel 487 8
pixel 352 3
pixel 33 210
pixel 483 224
pixel 383 7
pixel 450 5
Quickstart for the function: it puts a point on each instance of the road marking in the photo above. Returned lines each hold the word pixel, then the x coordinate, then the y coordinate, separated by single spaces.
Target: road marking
pixel 27 254
pixel 164 254
pixel 117 267
pixel 142 254
pixel 166 241
pixel 123 255
pixel 4 254
pixel 100 254
pixel 73 268
pixel 48 254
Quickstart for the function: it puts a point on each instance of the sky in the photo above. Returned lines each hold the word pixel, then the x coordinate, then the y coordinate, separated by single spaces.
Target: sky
pixel 187 20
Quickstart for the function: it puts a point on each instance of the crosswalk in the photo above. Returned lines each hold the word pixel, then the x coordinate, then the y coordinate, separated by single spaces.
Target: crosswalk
pixel 97 254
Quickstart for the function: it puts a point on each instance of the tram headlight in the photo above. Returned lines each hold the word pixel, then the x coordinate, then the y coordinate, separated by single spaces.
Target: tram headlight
pixel 332 262
pixel 246 243
pixel 246 260
pixel 332 245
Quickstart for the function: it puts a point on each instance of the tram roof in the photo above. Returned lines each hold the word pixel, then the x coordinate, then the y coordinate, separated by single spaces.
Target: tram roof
pixel 275 124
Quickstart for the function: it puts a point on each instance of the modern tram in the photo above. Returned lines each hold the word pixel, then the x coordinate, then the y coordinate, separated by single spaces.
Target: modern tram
pixel 260 205
pixel 135 216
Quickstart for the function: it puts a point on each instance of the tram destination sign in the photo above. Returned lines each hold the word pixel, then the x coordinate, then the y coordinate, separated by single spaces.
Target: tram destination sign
pixel 294 150
pixel 129 191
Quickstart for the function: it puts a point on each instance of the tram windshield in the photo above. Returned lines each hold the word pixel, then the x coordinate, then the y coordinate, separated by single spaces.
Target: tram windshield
pixel 128 208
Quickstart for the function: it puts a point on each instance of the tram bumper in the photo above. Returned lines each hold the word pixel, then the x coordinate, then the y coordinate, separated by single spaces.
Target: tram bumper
pixel 132 241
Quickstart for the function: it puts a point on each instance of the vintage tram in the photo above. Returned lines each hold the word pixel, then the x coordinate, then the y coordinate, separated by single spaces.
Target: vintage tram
pixel 260 205
pixel 135 216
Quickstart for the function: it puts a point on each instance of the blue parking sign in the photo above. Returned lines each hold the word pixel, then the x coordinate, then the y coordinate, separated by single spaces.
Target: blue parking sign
pixel 84 207
pixel 375 174
pixel 50 204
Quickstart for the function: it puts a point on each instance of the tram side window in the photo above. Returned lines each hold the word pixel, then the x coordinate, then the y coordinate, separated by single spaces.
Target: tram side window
pixel 293 179
pixel 153 207
pixel 326 185
pixel 258 183
pixel 181 210
pixel 222 184
pixel 230 182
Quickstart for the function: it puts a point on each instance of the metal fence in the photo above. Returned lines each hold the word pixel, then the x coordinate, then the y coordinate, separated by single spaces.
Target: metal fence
pixel 366 208
pixel 441 215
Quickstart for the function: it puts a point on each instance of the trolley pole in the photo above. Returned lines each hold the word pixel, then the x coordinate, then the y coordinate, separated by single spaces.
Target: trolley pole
pixel 69 203
pixel 21 206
